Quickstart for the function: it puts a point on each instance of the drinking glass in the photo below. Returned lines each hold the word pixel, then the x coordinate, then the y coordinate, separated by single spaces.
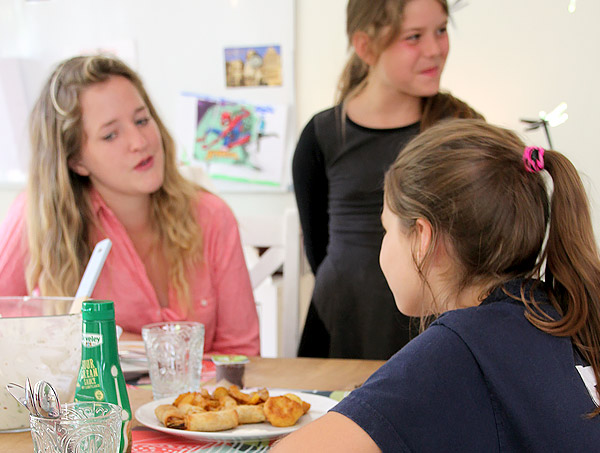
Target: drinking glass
pixel 174 351
pixel 83 427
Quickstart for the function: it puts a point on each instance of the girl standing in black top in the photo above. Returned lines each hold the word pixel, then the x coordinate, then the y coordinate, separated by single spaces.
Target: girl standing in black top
pixel 388 93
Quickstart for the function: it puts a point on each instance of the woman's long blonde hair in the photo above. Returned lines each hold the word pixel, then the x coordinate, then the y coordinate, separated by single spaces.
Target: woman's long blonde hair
pixel 60 221
pixel 381 21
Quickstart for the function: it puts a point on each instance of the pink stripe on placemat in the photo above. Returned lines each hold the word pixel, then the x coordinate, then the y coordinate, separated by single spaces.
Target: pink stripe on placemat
pixel 150 441
pixel 146 440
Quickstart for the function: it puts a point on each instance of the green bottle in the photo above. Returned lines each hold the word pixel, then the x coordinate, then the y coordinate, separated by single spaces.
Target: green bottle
pixel 100 376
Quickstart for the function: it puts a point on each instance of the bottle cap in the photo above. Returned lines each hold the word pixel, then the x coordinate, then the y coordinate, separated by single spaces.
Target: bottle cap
pixel 98 310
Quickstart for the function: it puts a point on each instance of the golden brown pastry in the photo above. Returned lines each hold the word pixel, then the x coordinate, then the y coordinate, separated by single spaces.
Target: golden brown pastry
pixel 250 413
pixel 187 408
pixel 212 421
pixel 304 404
pixel 184 398
pixel 282 411
pixel 227 402
pixel 170 416
pixel 263 394
pixel 244 398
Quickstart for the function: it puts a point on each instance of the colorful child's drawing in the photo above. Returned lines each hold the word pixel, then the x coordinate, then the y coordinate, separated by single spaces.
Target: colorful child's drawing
pixel 234 141
pixel 229 133
pixel 253 66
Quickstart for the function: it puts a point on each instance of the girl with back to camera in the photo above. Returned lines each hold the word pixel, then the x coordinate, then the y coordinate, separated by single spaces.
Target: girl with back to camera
pixel 512 361
pixel 388 93
pixel 104 165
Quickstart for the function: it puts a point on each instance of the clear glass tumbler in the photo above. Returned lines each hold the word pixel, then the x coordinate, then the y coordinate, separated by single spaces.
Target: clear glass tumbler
pixel 85 427
pixel 175 351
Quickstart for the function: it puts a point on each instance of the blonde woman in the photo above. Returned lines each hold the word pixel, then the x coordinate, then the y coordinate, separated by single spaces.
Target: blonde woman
pixel 388 93
pixel 104 165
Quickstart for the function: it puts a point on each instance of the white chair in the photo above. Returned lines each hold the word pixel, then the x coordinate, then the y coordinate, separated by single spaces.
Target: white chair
pixel 280 236
pixel 279 319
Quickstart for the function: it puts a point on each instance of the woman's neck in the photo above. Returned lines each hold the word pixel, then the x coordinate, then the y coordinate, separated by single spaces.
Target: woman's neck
pixel 380 108
pixel 134 213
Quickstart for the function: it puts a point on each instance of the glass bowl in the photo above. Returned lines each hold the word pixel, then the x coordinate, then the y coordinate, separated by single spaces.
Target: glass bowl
pixel 39 340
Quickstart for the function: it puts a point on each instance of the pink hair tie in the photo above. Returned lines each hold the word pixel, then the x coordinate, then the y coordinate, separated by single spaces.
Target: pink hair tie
pixel 533 158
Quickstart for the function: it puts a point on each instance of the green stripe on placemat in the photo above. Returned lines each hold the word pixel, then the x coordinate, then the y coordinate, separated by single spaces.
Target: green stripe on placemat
pixel 338 395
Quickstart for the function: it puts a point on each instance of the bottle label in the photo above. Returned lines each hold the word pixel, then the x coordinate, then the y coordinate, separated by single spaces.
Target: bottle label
pixel 91 340
pixel 88 375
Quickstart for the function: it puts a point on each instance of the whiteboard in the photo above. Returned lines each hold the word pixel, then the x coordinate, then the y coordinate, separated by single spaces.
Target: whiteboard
pixel 175 45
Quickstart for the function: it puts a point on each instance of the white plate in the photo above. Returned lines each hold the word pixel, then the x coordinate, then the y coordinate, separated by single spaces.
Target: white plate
pixel 319 405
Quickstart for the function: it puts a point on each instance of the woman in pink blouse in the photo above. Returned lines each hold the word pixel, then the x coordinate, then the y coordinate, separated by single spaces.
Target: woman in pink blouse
pixel 104 165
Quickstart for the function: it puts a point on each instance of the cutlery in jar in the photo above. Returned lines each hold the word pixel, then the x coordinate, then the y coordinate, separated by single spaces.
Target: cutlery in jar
pixel 46 400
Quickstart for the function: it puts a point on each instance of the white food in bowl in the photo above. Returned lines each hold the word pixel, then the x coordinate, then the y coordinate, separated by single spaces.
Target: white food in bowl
pixel 39 348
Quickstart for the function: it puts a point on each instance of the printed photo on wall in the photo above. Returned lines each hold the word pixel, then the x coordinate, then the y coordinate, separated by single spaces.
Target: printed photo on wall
pixel 253 66
pixel 234 141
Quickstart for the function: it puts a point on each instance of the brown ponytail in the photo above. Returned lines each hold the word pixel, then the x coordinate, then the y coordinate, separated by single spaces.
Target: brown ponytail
pixel 468 180
pixel 353 77
pixel 572 259
pixel 444 105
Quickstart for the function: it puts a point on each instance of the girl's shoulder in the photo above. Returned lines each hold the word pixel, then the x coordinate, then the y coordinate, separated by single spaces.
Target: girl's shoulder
pixel 328 113
pixel 326 119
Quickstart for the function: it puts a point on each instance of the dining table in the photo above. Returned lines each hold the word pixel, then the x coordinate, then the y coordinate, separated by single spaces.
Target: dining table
pixel 302 374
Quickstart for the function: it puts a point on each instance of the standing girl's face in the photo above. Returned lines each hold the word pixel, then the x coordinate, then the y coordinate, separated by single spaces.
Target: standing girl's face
pixel 122 150
pixel 413 63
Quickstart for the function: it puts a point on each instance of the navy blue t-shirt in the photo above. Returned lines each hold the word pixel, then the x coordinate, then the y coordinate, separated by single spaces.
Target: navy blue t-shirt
pixel 480 379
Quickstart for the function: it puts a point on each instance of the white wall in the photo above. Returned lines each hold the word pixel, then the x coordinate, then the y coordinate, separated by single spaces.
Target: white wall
pixel 509 59
pixel 512 58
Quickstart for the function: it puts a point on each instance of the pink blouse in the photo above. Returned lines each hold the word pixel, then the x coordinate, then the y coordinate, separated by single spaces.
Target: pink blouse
pixel 220 287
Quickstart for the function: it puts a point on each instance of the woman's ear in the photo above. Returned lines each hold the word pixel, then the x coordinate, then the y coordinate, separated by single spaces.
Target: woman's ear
pixel 423 238
pixel 363 47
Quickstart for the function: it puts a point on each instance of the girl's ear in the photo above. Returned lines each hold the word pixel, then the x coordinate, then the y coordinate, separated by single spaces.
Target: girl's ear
pixel 423 237
pixel 78 167
pixel 363 47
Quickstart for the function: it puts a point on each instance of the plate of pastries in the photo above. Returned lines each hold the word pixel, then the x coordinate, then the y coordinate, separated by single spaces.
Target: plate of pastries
pixel 230 414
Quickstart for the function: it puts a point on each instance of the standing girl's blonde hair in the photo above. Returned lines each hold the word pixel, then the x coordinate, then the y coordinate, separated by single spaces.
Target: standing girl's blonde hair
pixel 61 226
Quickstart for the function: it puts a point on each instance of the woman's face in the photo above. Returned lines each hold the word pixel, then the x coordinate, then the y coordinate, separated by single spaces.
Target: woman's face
pixel 413 63
pixel 122 150
pixel 398 265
